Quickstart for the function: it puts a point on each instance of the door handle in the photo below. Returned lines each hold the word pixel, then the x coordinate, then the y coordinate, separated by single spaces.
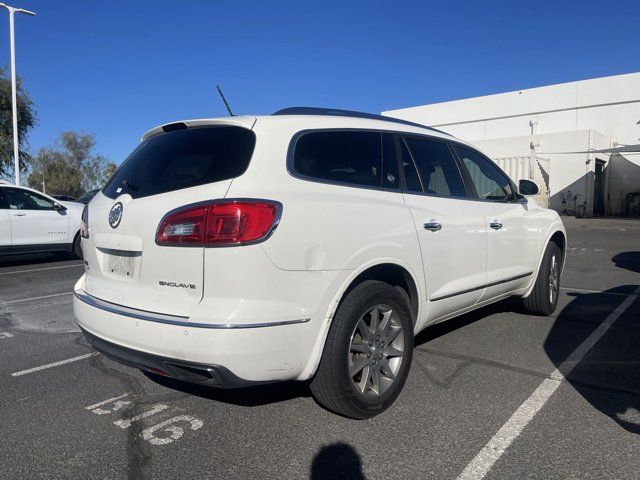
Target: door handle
pixel 433 226
pixel 496 225
pixel 19 214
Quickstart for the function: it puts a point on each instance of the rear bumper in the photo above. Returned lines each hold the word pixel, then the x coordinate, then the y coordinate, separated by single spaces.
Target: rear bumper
pixel 211 375
pixel 224 355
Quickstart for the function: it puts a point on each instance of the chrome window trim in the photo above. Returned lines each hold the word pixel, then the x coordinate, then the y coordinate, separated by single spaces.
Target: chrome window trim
pixel 172 319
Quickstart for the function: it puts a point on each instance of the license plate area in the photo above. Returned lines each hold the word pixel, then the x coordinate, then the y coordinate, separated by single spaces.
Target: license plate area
pixel 123 266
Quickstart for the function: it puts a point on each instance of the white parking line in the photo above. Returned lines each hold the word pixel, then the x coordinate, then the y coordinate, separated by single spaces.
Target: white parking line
pixel 35 298
pixel 41 269
pixel 55 364
pixel 586 290
pixel 493 450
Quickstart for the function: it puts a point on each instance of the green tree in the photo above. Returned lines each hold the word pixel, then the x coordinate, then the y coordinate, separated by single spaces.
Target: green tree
pixel 70 166
pixel 26 121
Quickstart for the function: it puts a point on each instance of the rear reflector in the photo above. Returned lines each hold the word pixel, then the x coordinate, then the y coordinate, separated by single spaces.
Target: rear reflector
pixel 219 223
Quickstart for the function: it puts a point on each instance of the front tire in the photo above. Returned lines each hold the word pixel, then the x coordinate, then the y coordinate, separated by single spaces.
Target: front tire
pixel 367 354
pixel 543 299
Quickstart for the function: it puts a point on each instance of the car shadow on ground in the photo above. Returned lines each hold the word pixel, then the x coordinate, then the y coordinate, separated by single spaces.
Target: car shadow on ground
pixel 608 376
pixel 32 259
pixel 246 396
pixel 513 305
pixel 628 261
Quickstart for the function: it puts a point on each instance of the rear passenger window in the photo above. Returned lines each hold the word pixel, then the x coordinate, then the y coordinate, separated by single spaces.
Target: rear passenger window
pixel 432 169
pixel 353 157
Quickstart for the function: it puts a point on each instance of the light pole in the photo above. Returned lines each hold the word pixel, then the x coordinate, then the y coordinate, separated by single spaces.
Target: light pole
pixel 16 158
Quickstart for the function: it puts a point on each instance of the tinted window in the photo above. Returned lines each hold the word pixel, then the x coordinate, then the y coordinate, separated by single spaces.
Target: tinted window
pixel 347 157
pixel 411 177
pixel 3 201
pixel 490 182
pixel 390 177
pixel 18 199
pixel 436 168
pixel 183 159
pixel 87 197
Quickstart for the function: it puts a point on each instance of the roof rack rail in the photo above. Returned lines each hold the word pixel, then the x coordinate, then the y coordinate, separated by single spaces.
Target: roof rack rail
pixel 349 113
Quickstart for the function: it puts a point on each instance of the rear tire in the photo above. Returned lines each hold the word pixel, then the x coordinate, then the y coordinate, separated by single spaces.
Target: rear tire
pixel 77 246
pixel 544 296
pixel 367 354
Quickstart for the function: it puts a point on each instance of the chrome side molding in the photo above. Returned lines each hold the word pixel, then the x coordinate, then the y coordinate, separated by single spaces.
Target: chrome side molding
pixel 171 319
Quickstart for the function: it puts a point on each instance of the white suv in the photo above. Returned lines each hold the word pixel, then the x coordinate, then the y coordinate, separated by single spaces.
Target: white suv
pixel 32 222
pixel 307 245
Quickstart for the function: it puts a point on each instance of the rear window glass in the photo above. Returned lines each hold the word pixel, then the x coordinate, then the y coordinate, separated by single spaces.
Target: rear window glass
pixel 352 157
pixel 183 159
pixel 436 168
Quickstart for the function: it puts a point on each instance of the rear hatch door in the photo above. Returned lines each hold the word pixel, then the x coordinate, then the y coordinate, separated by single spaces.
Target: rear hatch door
pixel 167 171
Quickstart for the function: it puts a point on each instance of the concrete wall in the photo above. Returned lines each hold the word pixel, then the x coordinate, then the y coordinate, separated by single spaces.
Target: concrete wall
pixel 567 117
pixel 570 177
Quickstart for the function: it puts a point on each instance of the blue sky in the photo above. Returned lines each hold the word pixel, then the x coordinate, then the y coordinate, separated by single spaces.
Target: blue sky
pixel 116 69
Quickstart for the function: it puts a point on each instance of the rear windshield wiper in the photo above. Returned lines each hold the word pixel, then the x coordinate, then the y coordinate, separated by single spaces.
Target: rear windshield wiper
pixel 128 185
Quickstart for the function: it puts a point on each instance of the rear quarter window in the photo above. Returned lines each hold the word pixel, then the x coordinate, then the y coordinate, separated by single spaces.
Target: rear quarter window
pixel 358 158
pixel 183 159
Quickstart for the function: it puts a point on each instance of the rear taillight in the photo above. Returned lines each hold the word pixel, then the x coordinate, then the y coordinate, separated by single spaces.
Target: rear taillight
pixel 84 222
pixel 219 223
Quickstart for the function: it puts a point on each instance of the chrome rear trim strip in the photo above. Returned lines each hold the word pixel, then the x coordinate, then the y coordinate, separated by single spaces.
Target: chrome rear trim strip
pixel 171 319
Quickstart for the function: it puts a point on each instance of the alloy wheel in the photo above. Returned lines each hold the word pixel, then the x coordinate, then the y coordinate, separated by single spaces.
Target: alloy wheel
pixel 376 351
pixel 554 280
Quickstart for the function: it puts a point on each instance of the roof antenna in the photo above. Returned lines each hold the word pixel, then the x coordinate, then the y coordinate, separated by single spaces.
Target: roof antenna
pixel 225 101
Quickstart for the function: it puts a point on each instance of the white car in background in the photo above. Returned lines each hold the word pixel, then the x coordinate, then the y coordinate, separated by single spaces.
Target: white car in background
pixel 307 245
pixel 32 222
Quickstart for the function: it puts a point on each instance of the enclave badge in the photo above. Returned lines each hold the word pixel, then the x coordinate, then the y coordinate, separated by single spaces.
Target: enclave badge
pixel 177 284
pixel 115 215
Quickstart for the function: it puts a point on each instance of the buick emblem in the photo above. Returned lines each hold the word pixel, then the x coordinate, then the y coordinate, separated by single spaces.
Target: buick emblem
pixel 115 215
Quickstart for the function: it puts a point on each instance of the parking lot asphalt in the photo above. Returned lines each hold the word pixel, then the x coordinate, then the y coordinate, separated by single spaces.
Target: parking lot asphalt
pixel 483 396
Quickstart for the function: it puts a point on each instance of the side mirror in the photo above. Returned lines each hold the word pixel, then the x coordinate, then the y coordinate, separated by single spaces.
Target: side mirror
pixel 59 207
pixel 527 188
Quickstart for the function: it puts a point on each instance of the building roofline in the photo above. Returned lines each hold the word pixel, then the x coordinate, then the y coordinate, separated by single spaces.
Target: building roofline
pixel 508 92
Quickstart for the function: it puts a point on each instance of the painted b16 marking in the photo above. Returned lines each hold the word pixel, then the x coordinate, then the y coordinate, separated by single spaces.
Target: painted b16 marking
pixel 117 405
pixel 170 427
pixel 175 432
pixel 126 423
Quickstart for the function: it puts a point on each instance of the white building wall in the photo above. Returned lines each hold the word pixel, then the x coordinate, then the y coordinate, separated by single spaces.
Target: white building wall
pixel 567 117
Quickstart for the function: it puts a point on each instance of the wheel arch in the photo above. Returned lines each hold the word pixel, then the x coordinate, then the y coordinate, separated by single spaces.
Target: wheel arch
pixel 390 270
pixel 560 239
pixel 393 274
pixel 557 235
